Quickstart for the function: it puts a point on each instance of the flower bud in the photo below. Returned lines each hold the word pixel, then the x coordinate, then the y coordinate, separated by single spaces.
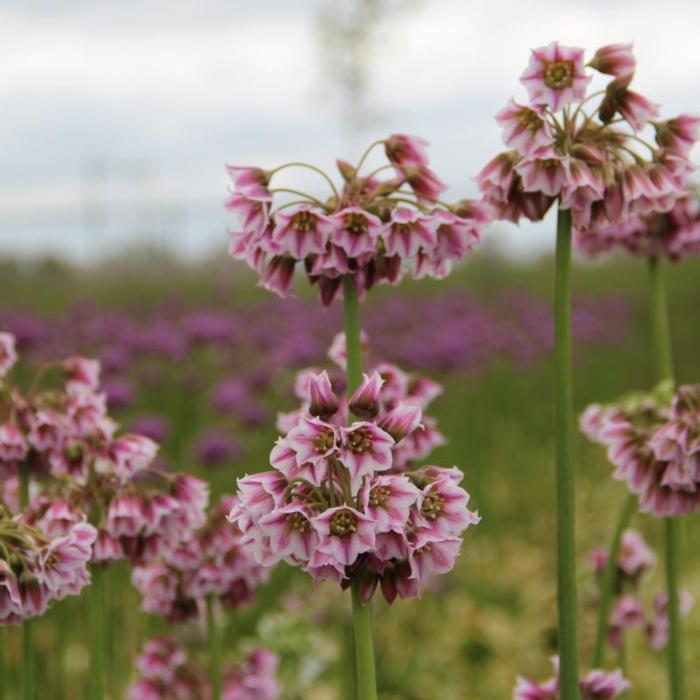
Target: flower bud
pixel 364 403
pixel 324 403
pixel 401 421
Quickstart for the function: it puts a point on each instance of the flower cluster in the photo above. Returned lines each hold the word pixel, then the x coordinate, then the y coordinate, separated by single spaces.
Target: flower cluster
pixel 634 564
pixel 36 569
pixel 207 561
pixel 595 685
pixel 343 501
pixel 167 672
pixel 589 160
pixel 654 447
pixel 80 469
pixel 370 230
pixel 674 234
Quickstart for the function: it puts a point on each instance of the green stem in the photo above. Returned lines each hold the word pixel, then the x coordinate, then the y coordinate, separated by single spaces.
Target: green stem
pixel 214 638
pixel 361 614
pixel 28 666
pixel 566 504
pixel 660 325
pixel 608 583
pixel 97 634
pixel 364 646
pixel 661 339
pixel 675 645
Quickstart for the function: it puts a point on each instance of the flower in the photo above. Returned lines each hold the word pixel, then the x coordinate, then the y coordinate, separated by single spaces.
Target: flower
pixel 556 76
pixel 8 353
pixel 368 230
pixel 525 128
pixel 614 59
pixel 586 159
pixel 345 502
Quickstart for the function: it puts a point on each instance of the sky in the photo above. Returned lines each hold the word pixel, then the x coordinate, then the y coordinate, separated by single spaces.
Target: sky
pixel 118 116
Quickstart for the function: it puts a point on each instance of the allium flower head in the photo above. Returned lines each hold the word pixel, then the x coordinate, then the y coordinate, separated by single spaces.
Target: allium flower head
pixel 347 502
pixel 586 153
pixel 655 449
pixel 368 229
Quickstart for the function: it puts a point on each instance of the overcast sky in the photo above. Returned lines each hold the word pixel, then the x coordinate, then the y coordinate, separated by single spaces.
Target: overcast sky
pixel 118 115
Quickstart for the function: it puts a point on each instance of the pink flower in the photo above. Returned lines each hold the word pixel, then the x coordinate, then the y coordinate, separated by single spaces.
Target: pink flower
pixel 323 402
pixel 8 353
pixel 424 182
pixel 546 175
pixel 344 533
pixel 388 499
pixel 364 403
pixel 10 597
pixel 556 76
pixel 402 149
pixel 338 351
pixel 82 375
pixel 58 519
pixel 302 231
pixel 253 213
pixel 628 613
pixel 442 505
pixel 107 548
pixel 678 135
pixel 277 275
pixel 432 556
pixel 130 454
pixel 526 689
pixel 292 535
pixel 192 495
pixel 525 128
pixel 126 517
pixel 65 559
pixel 600 685
pixel 46 429
pixel 636 558
pixel 355 231
pixel 313 440
pixel 408 232
pixel 614 59
pixel 250 181
pixel 632 107
pixel 365 448
pixel 13 446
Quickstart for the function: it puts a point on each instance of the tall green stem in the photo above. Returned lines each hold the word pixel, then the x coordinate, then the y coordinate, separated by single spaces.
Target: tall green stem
pixel 661 339
pixel 28 666
pixel 214 637
pixel 361 614
pixel 97 634
pixel 564 420
pixel 608 583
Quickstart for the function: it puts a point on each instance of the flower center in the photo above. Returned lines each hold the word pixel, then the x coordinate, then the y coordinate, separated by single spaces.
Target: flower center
pixel 298 522
pixel 356 224
pixel 379 496
pixel 343 524
pixel 432 507
pixel 303 222
pixel 360 441
pixel 324 441
pixel 529 120
pixel 559 74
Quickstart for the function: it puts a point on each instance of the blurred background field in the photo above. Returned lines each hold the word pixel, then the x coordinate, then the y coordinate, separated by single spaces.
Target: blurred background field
pixel 197 356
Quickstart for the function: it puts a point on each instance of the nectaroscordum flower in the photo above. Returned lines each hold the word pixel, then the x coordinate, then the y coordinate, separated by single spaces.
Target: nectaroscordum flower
pixel 588 154
pixel 368 229
pixel 346 502
pixel 655 448
pixel 8 353
pixel 595 685
pixel 556 76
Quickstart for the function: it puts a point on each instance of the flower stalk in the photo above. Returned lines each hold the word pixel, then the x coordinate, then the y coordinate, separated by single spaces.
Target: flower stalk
pixel 97 634
pixel 608 584
pixel 566 554
pixel 214 640
pixel 361 613
pixel 661 340
pixel 28 670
